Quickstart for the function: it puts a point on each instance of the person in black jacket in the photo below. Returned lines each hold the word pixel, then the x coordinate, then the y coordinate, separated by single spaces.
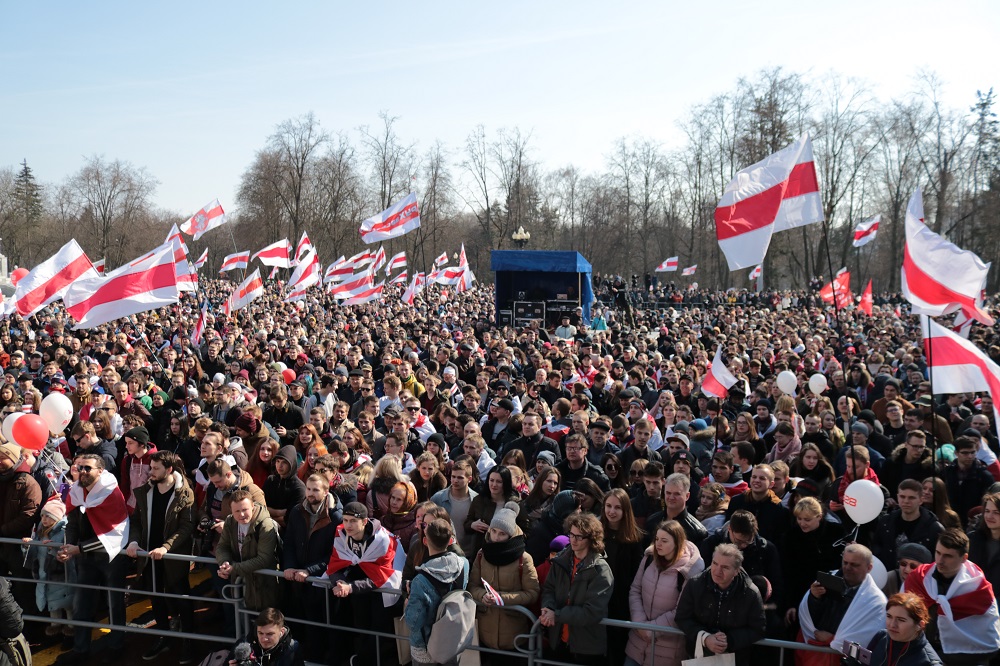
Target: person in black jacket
pixel 676 492
pixel 285 417
pixel 966 479
pixel 721 608
pixel 760 556
pixel 772 518
pixel 531 441
pixel 283 489
pixel 576 466
pixel 910 523
pixel 14 648
pixel 271 643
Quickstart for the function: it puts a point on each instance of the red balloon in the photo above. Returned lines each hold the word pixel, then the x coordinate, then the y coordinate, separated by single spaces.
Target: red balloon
pixel 33 434
pixel 16 276
pixel 288 374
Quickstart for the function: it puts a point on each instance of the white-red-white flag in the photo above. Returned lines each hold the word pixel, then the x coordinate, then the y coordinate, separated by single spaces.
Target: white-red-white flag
pixel 838 291
pixel 399 279
pixel 776 194
pixel 361 259
pixel 669 265
pixel 338 270
pixel 235 260
pixel 144 284
pixel 690 270
pixel 398 260
pixel 400 218
pixel 865 305
pixel 938 276
pixel 49 280
pixel 246 292
pixel 100 264
pixel 353 286
pixel 718 380
pixel 273 273
pixel 416 285
pixel 865 232
pixel 367 295
pixel 106 512
pixel 277 254
pixel 187 275
pixel 378 261
pixel 199 327
pixel 203 258
pixel 306 274
pixel 304 245
pixel 441 260
pixel 206 219
pixel 756 272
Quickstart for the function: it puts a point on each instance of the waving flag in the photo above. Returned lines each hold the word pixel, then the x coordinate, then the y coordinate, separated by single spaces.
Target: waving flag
pixel 866 300
pixel 306 275
pixel 236 260
pixel 276 254
pixel 338 270
pixel 398 219
pixel 104 505
pixel 938 276
pixel 689 270
pixel 361 259
pixel 353 286
pixel 399 279
pixel 206 219
pixel 962 325
pixel 718 380
pixel 441 260
pixel 202 259
pixel 187 275
pixel 304 245
pixel 249 290
pixel 99 265
pixel 416 285
pixel 776 194
pixel 367 295
pixel 144 284
pixel 865 232
pixel 379 260
pixel 273 273
pixel 671 264
pixel 49 280
pixel 199 328
pixel 398 261
pixel 756 272
pixel 838 291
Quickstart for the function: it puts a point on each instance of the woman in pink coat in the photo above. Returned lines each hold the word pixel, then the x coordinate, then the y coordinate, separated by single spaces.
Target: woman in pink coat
pixel 668 564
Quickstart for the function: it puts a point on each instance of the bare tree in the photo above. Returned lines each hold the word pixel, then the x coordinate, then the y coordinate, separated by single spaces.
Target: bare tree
pixel 294 147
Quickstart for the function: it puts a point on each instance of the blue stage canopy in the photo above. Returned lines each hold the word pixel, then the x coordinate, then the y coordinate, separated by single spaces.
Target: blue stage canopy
pixel 545 261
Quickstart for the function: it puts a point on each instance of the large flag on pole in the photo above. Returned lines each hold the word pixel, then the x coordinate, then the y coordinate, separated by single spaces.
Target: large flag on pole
pixel 49 280
pixel 416 285
pixel 718 380
pixel 144 284
pixel 338 270
pixel 353 286
pixel 776 194
pixel 277 254
pixel 206 219
pixel 202 259
pixel 379 260
pixel 366 295
pixel 235 260
pixel 187 275
pixel 838 291
pixel 671 264
pixel 756 272
pixel 199 328
pixel 400 218
pixel 441 260
pixel 938 276
pixel 398 260
pixel 250 289
pixel 304 245
pixel 306 274
pixel 865 232
pixel 402 278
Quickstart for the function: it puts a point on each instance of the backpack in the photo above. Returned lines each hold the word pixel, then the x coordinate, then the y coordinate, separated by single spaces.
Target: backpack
pixel 454 625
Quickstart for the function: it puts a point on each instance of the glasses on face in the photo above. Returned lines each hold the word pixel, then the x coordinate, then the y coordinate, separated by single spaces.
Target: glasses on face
pixel 413 409
pixel 635 472
pixel 85 468
pixel 611 467
pixel 574 448
pixel 577 537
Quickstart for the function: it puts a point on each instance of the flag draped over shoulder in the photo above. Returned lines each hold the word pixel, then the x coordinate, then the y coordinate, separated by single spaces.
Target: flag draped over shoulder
pixel 104 506
pixel 719 379
pixel 968 621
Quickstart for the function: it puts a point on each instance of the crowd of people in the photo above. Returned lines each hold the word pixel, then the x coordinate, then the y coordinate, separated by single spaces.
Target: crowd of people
pixel 576 470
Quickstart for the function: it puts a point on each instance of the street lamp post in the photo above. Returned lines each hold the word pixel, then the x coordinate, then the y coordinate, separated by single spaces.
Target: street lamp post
pixel 520 237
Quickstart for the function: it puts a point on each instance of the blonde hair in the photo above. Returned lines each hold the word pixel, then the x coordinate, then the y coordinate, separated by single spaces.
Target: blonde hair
pixel 809 507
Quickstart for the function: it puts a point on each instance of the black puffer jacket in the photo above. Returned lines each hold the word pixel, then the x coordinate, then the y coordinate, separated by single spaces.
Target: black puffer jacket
pixel 887 537
pixel 285 653
pixel 11 623
pixel 740 614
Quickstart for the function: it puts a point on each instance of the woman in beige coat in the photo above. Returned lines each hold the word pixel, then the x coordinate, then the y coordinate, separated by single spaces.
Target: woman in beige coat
pixel 503 563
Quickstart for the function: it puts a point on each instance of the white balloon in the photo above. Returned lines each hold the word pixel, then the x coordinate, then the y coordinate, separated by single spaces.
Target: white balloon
pixel 863 501
pixel 787 382
pixel 817 383
pixel 8 423
pixel 56 411
pixel 281 366
pixel 878 573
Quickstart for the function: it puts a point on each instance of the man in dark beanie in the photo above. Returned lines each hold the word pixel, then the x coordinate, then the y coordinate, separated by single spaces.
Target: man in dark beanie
pixel 135 464
pixel 283 489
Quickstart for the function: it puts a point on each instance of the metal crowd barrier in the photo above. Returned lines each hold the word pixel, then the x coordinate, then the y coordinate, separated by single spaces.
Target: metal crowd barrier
pixel 527 646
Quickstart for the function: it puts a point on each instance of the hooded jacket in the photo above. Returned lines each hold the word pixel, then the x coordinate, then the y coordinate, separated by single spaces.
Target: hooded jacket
pixel 436 577
pixel 580 601
pixel 516 582
pixel 284 492
pixel 309 535
pixel 178 524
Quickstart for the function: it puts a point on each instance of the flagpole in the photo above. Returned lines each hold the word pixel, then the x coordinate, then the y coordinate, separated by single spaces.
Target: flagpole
pixel 930 378
pixel 833 285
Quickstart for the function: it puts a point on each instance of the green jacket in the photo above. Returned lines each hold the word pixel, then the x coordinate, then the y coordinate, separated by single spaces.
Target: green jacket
pixel 579 601
pixel 260 551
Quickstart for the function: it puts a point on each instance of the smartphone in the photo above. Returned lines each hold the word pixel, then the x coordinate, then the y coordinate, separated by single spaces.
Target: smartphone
pixel 856 652
pixel 831 582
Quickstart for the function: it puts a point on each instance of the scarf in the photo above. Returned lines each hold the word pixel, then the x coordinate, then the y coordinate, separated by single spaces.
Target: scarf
pixel 870 475
pixel 968 621
pixel 502 553
pixel 382 561
pixel 104 506
pixel 864 618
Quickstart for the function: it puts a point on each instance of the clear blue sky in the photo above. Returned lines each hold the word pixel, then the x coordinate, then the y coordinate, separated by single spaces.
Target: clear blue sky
pixel 192 90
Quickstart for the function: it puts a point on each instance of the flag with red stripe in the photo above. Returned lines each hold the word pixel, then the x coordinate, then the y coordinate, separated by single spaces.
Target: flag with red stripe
pixel 353 286
pixel 235 260
pixel 145 284
pixel 206 219
pixel 276 254
pixel 756 272
pixel 399 279
pixel 938 276
pixel 246 292
pixel 49 280
pixel 303 246
pixel 671 264
pixel 199 327
pixel 718 380
pixel 103 505
pixel 690 270
pixel 398 219
pixel 99 265
pixel 865 232
pixel 338 270
pixel 866 300
pixel 202 259
pixel 379 260
pixel 839 290
pixel 968 618
pixel 366 295
pixel 441 260
pixel 187 275
pixel 776 194
pixel 398 260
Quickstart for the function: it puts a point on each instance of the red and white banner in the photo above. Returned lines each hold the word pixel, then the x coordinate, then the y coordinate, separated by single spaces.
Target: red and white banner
pixel 236 260
pixel 144 284
pixel 938 276
pixel 756 272
pixel 416 285
pixel 399 279
pixel 866 300
pixel 398 261
pixel 776 194
pixel 304 245
pixel 249 290
pixel 367 295
pixel 441 260
pixel 353 286
pixel 398 219
pixel 203 258
pixel 841 287
pixel 306 275
pixel 187 275
pixel 378 261
pixel 962 325
pixel 671 264
pixel 104 506
pixel 361 259
pixel 199 328
pixel 865 232
pixel 206 219
pixel 273 273
pixel 959 366
pixel 718 380
pixel 338 270
pixel 277 254
pixel 99 265
pixel 689 270
pixel 49 280
pixel 968 605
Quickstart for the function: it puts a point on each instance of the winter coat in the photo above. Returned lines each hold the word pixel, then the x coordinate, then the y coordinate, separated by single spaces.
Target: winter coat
pixel 805 553
pixel 740 615
pixel 773 519
pixel 178 525
pixel 134 472
pixel 285 653
pixel 260 551
pixel 887 538
pixel 483 507
pixel 580 601
pixel 307 543
pixel 49 572
pixel 896 469
pixel 284 492
pixel 243 481
pixel 517 584
pixel 449 572
pixel 979 541
pixel 653 598
pixel 918 653
pixel 624 559
pixel 20 500
pixel 403 525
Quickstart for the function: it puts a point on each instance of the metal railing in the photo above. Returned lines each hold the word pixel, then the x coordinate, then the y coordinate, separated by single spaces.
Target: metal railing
pixel 527 646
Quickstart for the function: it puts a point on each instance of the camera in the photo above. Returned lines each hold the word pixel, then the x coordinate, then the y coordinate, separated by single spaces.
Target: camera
pixel 855 655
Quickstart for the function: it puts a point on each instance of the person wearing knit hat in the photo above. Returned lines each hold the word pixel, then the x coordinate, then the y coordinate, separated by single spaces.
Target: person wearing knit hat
pixel 910 556
pixel 135 464
pixel 50 596
pixel 504 519
pixel 55 509
pixel 248 423
pixel 10 456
